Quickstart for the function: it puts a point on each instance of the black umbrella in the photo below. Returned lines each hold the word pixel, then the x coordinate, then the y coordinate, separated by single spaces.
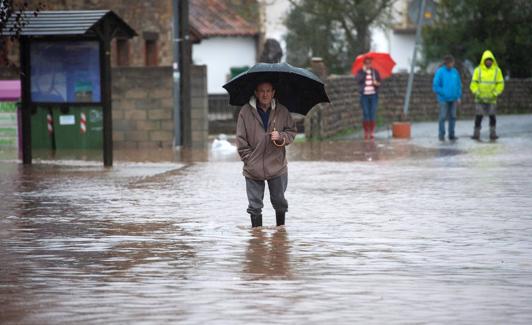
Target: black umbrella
pixel 296 88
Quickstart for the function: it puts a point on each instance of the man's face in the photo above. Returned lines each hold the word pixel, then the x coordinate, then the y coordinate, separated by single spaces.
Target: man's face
pixel 265 93
pixel 449 64
pixel 488 62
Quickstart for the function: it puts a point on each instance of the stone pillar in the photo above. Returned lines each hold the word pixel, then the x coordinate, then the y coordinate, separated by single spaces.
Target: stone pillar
pixel 318 67
pixel 199 107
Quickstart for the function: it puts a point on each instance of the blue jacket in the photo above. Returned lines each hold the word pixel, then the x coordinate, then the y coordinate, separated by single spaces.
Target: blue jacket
pixel 447 84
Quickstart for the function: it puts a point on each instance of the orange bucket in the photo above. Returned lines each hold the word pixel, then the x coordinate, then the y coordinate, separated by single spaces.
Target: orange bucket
pixel 401 130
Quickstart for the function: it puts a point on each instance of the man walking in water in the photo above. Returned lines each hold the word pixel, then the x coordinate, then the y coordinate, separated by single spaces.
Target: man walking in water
pixel 264 128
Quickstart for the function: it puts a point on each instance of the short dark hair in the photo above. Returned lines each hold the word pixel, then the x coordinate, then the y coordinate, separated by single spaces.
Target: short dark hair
pixel 448 59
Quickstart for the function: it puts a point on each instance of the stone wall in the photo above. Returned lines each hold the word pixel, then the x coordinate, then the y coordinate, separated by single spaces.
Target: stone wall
pixel 199 107
pixel 344 112
pixel 142 108
pixel 147 16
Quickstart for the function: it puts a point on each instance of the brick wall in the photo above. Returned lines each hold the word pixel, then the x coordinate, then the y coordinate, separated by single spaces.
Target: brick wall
pixel 344 112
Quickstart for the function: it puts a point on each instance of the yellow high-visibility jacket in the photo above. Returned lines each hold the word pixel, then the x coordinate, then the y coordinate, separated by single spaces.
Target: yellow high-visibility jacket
pixel 487 83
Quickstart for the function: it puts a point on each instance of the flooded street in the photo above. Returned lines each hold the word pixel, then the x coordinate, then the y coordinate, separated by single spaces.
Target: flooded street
pixel 390 232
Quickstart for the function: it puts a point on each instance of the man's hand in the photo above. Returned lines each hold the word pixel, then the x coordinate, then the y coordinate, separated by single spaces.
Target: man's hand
pixel 276 136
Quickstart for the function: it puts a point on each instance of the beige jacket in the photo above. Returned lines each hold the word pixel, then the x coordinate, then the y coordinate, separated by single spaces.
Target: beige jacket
pixel 262 159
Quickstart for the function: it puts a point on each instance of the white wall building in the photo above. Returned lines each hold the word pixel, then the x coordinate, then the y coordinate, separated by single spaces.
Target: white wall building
pixel 220 54
pixel 399 39
pixel 400 45
pixel 221 40
pixel 274 13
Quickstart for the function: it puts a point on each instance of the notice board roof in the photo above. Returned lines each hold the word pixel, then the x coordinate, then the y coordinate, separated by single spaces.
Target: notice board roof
pixel 70 23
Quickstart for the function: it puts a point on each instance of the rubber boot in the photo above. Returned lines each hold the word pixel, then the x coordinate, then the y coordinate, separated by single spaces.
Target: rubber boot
pixel 372 130
pixel 256 220
pixel 493 125
pixel 478 125
pixel 493 133
pixel 279 217
pixel 476 134
pixel 365 125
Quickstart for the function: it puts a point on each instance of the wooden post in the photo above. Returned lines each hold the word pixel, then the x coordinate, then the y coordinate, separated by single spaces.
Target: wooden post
pixel 25 83
pixel 105 88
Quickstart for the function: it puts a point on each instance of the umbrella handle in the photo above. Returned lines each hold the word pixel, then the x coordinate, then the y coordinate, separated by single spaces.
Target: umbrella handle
pixel 275 141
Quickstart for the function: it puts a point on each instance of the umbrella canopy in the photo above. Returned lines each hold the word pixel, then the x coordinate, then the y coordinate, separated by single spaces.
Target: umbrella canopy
pixel 296 88
pixel 382 62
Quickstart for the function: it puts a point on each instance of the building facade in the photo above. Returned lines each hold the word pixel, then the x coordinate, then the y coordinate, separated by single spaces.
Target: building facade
pixel 221 38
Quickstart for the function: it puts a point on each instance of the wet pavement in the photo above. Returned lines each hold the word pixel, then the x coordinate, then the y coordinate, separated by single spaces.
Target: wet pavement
pixel 385 232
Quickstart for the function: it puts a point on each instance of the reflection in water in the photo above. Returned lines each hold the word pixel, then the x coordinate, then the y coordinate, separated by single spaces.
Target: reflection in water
pixel 358 150
pixel 69 237
pixel 370 150
pixel 381 232
pixel 267 256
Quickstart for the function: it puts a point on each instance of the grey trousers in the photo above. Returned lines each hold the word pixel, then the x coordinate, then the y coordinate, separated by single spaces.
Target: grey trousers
pixel 255 192
pixel 485 109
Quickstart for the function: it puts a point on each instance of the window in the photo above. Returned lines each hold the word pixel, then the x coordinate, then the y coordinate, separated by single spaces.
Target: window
pixel 122 52
pixel 151 54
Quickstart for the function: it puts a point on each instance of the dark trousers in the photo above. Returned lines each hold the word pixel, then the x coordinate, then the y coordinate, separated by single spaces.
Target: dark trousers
pixel 478 121
pixel 255 191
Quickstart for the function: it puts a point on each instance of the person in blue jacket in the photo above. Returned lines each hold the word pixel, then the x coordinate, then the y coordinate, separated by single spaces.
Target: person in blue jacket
pixel 448 88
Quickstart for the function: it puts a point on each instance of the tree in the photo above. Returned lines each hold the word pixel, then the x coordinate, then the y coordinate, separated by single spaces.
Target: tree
pixel 337 31
pixel 465 28
pixel 14 10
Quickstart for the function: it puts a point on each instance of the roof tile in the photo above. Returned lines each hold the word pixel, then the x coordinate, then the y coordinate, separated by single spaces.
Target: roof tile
pixel 214 18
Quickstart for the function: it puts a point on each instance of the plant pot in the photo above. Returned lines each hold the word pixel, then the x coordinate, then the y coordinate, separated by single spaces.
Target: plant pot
pixel 401 130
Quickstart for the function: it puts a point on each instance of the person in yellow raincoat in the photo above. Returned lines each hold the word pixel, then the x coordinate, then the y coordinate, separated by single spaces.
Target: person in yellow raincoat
pixel 486 85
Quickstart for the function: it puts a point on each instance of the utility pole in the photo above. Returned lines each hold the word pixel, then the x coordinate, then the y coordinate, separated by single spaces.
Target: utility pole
pixel 185 61
pixel 181 72
pixel 176 75
pixel 420 15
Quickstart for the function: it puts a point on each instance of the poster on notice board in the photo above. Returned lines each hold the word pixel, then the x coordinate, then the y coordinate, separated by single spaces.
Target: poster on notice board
pixel 65 71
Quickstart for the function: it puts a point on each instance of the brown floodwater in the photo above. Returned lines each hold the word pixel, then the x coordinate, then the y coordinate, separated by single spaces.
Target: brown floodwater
pixel 384 232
